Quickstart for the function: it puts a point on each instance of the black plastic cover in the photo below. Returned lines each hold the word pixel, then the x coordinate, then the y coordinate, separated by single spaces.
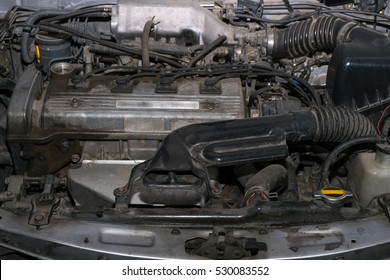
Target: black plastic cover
pixel 359 71
pixel 337 2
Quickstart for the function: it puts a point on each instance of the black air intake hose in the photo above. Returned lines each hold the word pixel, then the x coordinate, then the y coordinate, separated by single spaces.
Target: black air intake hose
pixel 180 165
pixel 323 33
pixel 255 139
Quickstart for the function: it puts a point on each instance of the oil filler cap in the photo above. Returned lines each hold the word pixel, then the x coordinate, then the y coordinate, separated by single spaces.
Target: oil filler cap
pixel 332 194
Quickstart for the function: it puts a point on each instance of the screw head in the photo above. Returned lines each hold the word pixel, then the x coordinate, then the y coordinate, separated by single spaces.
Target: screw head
pixel 38 218
pixel 75 103
pixel 175 232
pixel 75 158
pixel 47 197
pixel 120 191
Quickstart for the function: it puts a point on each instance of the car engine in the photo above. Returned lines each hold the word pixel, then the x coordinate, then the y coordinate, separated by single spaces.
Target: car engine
pixel 193 129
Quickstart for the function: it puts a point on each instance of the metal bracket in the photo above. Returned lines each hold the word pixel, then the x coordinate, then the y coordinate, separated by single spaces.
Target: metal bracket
pixel 7 196
pixel 43 207
pixel 223 245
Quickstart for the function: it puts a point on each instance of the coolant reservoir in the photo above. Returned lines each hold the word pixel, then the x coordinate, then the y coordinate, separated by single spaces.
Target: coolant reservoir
pixel 369 174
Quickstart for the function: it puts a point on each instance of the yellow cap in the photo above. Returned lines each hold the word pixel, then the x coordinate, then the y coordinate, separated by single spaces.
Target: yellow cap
pixel 332 192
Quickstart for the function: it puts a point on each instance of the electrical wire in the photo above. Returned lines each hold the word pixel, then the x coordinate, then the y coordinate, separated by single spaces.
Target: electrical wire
pixel 318 9
pixel 296 84
pixel 332 156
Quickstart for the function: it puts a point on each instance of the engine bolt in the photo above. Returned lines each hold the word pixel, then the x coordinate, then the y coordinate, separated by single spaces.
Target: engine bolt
pixel 175 232
pixel 75 158
pixel 120 191
pixel 75 103
pixel 38 218
pixel 46 198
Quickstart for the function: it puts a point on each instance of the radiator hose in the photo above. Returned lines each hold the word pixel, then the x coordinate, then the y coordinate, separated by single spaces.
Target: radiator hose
pixel 269 179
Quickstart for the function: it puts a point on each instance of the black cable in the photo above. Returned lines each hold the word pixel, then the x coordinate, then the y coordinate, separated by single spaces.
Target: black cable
pixel 307 15
pixel 216 43
pixel 90 12
pixel 52 15
pixel 219 72
pixel 84 77
pixel 244 72
pixel 260 9
pixel 332 156
pixel 288 6
pixel 277 22
pixel 339 11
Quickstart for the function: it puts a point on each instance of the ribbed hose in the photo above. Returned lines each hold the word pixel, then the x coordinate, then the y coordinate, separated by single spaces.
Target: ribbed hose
pixel 226 143
pixel 241 141
pixel 323 33
pixel 340 124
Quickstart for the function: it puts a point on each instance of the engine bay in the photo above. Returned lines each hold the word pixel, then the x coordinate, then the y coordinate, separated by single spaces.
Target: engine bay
pixel 195 129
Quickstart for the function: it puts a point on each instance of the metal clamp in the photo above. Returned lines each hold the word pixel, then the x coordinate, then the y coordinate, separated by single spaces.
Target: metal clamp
pixel 43 207
pixel 223 245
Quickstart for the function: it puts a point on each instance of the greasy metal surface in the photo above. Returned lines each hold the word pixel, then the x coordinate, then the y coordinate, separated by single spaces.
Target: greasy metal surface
pixel 94 181
pixel 190 20
pixel 70 239
pixel 43 207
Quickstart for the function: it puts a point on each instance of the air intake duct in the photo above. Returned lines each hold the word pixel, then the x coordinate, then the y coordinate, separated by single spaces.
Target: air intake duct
pixel 321 33
pixel 180 165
